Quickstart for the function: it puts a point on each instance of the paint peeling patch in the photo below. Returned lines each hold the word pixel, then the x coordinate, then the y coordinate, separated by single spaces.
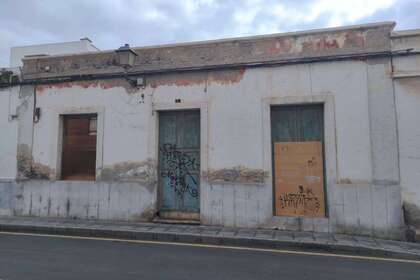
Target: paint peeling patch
pixel 282 45
pixel 238 174
pixel 103 84
pixel 319 44
pixel 354 39
pixel 345 181
pixel 41 171
pixel 24 161
pixel 28 169
pixel 222 77
pixel 147 215
pixel 411 214
pixel 143 172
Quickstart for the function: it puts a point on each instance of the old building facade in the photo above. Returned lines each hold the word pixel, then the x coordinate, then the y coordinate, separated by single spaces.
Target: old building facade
pixel 311 131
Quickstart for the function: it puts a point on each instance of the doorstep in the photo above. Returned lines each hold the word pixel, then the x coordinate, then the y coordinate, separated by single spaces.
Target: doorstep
pixel 159 220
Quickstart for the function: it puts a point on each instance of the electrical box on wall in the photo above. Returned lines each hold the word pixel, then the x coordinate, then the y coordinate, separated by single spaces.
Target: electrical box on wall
pixel 140 82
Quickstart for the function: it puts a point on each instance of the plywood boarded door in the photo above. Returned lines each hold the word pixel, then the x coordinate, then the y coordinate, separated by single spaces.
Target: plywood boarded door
pixel 298 161
pixel 179 164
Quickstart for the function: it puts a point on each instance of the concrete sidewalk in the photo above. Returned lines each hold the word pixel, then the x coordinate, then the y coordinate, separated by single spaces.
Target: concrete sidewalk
pixel 258 238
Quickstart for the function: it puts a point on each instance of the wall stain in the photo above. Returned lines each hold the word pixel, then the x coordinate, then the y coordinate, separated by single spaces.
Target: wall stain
pixel 411 214
pixel 103 84
pixel 28 169
pixel 222 77
pixel 143 172
pixel 68 206
pixel 219 53
pixel 411 85
pixel 147 215
pixel 354 39
pixel 238 174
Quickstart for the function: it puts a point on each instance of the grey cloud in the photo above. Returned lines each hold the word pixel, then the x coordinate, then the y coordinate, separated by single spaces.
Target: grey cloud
pixel 111 23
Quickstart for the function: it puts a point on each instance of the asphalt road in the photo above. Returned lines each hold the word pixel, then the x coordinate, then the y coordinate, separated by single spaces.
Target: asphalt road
pixel 40 257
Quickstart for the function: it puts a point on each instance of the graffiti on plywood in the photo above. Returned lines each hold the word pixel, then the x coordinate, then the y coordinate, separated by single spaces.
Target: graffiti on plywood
pixel 303 198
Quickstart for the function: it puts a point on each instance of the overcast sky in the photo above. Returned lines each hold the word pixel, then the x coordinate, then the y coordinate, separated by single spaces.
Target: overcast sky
pixel 111 23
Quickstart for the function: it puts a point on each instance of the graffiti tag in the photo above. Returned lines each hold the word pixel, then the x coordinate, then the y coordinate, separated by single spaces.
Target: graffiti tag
pixel 304 197
pixel 177 166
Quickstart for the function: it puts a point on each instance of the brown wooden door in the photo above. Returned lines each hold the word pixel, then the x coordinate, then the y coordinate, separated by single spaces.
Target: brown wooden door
pixel 79 147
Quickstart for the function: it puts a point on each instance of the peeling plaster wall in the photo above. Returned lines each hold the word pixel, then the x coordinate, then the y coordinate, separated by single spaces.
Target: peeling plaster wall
pixel 359 200
pixel 126 120
pixel 362 169
pixel 369 38
pixel 9 99
pixel 407 98
pixel 407 91
pixel 236 188
pixel 77 200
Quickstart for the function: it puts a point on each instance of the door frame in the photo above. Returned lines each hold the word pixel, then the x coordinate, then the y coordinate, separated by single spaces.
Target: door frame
pixel 324 185
pixel 57 136
pixel 330 154
pixel 154 142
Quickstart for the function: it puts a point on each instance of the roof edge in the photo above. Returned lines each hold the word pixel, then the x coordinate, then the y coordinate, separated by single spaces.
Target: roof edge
pixel 276 35
pixel 391 24
pixel 405 33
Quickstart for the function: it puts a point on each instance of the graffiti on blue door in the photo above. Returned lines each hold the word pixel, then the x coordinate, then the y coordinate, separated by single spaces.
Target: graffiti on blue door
pixel 179 166
pixel 179 161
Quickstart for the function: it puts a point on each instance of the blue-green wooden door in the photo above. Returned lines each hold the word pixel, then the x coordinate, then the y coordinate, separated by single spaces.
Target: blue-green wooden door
pixel 179 161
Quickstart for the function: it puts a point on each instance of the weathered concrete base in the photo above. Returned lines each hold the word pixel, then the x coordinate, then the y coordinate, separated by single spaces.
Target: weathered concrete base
pixel 77 200
pixel 370 210
pixel 357 209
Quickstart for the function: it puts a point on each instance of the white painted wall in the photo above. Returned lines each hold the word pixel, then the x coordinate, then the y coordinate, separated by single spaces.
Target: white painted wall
pixel 8 132
pixel 235 136
pixel 17 53
pixel 407 92
pixel 407 95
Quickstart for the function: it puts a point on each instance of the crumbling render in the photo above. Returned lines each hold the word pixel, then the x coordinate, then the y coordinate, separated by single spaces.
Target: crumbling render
pixel 222 77
pixel 103 84
pixel 27 168
pixel 273 49
pixel 142 172
pixel 237 174
pixel 412 215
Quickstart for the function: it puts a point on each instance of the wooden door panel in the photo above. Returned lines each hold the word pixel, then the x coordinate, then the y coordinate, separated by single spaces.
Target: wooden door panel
pixel 79 148
pixel 299 181
pixel 179 162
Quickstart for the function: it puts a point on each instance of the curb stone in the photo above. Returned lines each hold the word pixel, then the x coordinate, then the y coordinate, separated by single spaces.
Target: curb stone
pixel 216 236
